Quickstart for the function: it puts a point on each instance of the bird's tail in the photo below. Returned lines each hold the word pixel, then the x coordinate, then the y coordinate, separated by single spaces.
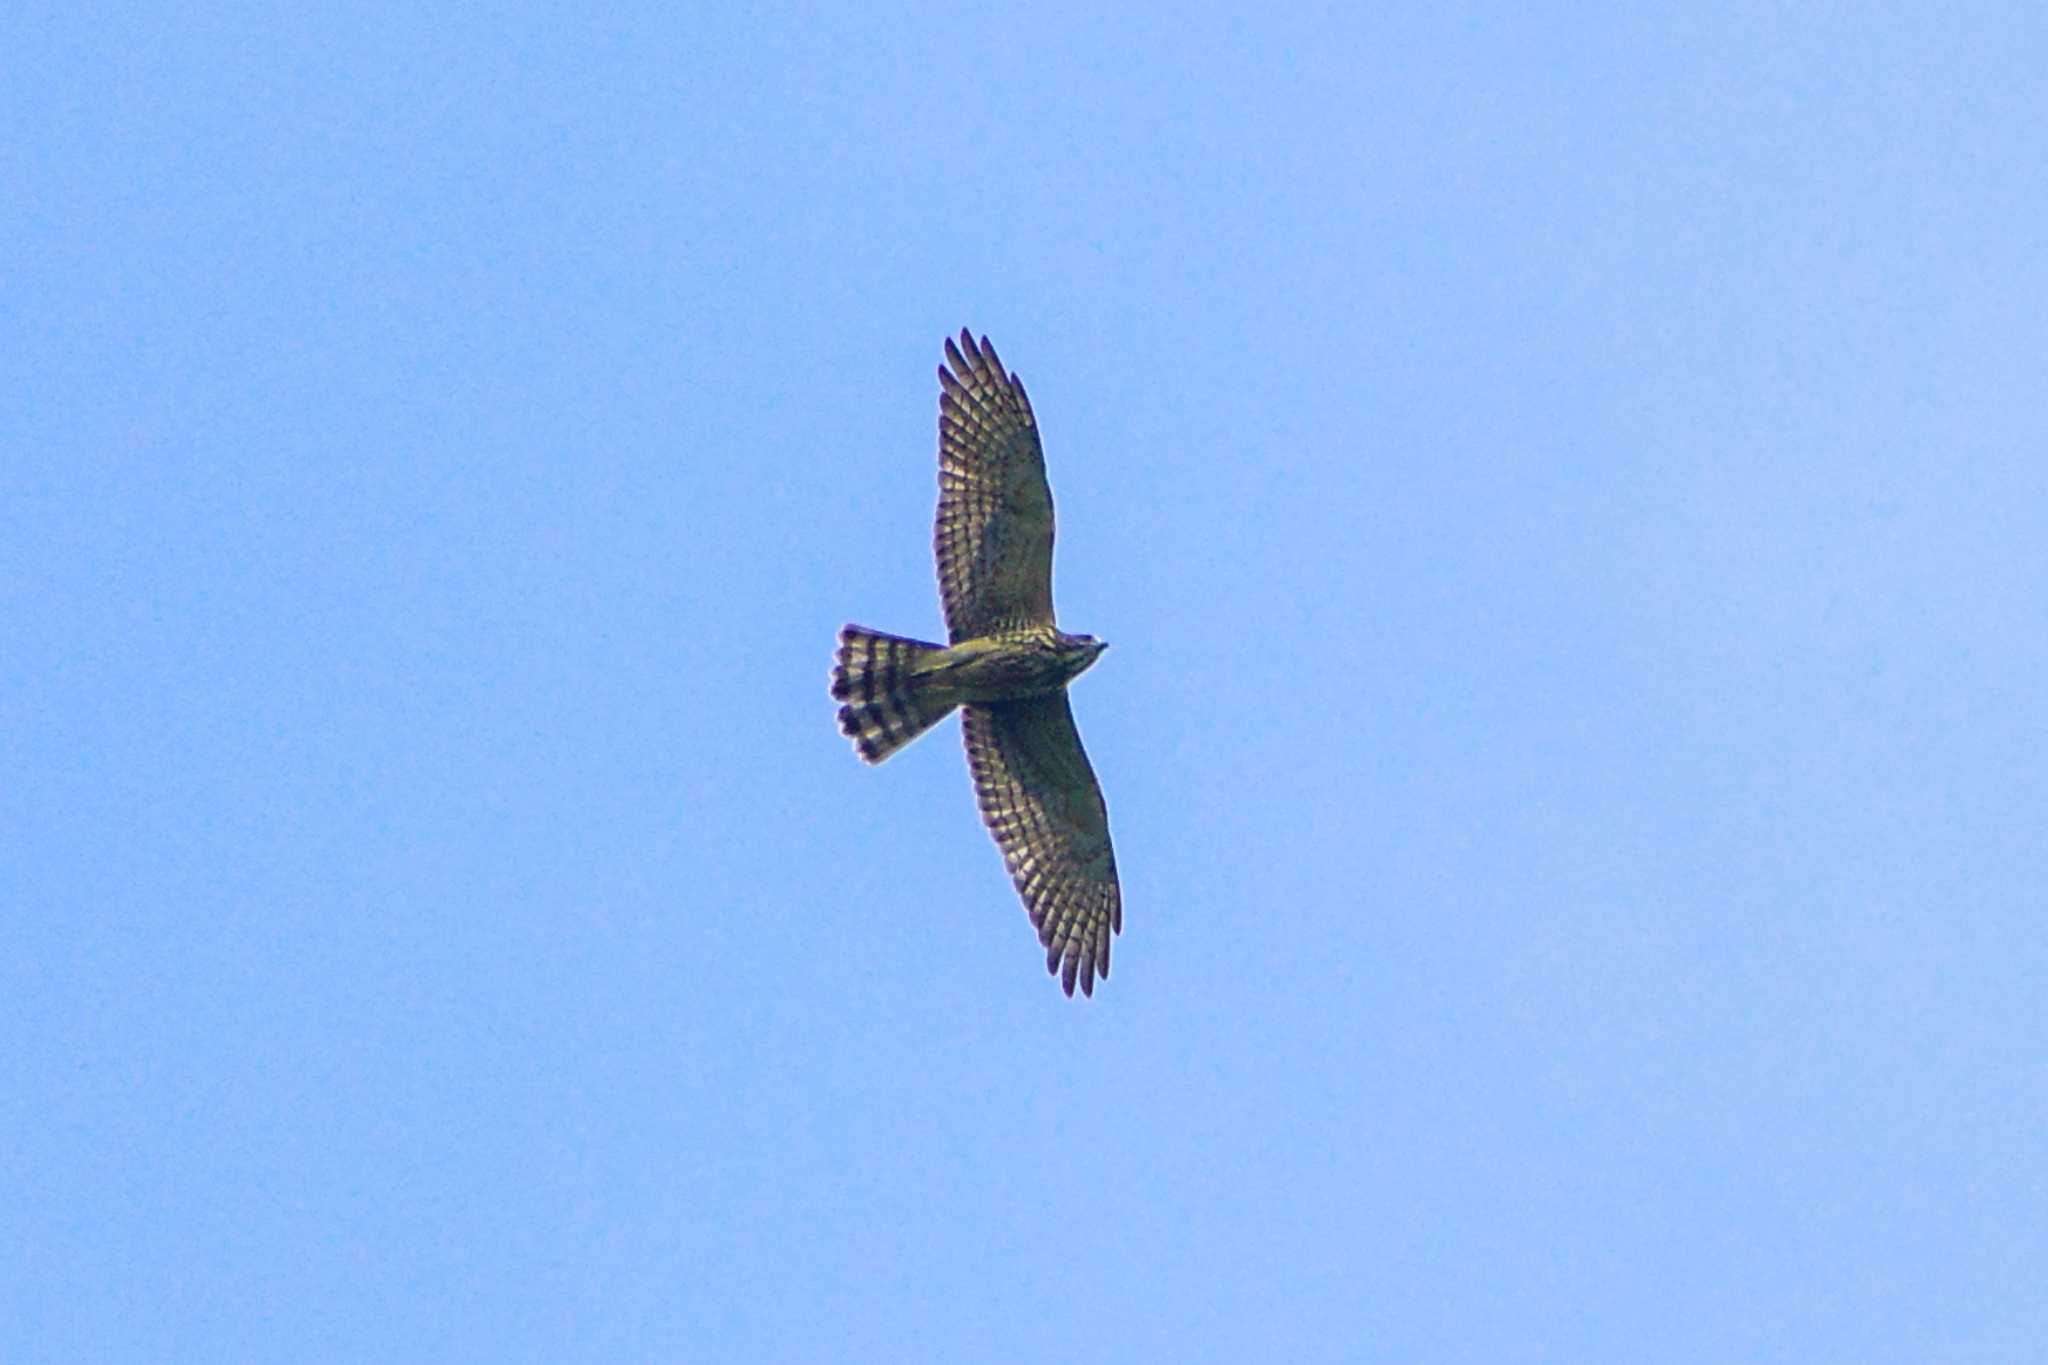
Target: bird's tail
pixel 874 674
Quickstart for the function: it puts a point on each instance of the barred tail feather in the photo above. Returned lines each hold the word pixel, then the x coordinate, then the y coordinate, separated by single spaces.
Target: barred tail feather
pixel 872 674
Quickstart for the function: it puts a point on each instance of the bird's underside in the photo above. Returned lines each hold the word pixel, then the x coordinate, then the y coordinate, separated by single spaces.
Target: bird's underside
pixel 1005 667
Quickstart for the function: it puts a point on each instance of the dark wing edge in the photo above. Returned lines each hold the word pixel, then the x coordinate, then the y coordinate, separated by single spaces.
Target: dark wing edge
pixel 992 534
pixel 1039 798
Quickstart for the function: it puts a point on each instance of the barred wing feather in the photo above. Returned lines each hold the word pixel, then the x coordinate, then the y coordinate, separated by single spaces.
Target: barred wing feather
pixel 1040 800
pixel 993 531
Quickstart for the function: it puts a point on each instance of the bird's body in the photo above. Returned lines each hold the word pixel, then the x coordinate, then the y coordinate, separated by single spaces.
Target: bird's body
pixel 1006 665
pixel 1021 663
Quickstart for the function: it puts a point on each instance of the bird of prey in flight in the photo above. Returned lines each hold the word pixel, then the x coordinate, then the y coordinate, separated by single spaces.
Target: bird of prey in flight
pixel 1006 665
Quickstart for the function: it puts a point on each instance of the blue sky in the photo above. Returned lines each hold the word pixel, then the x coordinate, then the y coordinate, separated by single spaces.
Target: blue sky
pixel 1567 488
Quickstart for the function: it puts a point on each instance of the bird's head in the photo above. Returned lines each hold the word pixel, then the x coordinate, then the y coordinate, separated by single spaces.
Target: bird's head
pixel 1079 651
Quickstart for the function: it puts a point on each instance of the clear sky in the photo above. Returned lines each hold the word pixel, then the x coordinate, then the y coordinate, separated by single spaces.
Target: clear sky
pixel 1567 490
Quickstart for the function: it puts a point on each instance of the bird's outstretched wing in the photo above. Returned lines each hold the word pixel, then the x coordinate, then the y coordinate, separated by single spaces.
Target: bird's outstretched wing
pixel 993 532
pixel 1040 800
